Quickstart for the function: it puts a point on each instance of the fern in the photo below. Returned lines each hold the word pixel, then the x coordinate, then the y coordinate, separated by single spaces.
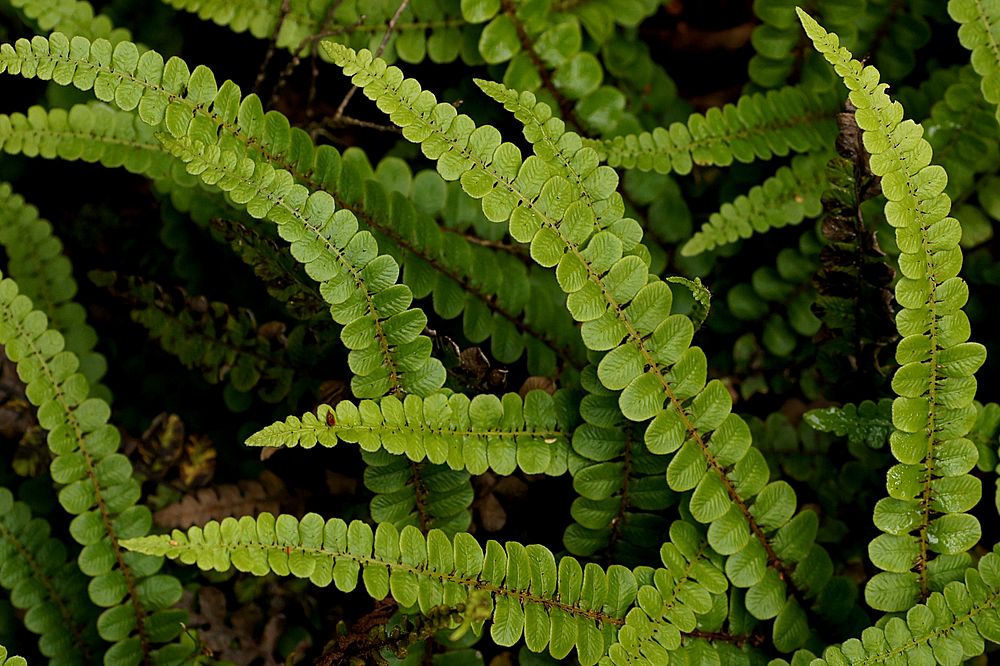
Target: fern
pixel 789 196
pixel 45 585
pixel 976 33
pixel 97 489
pixel 485 433
pixel 949 627
pixel 618 482
pixel 758 126
pixel 559 606
pixel 36 261
pixel 925 513
pixel 649 357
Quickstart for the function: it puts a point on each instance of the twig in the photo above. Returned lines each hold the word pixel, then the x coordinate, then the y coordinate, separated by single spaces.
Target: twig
pixel 262 72
pixel 381 47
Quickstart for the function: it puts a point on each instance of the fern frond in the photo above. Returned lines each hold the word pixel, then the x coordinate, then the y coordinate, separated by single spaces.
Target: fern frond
pixel 625 313
pixel 758 126
pixel 949 627
pixel 45 275
pixel 73 17
pixel 789 196
pixel 557 606
pixel 423 495
pixel 977 33
pixel 98 488
pixel 684 589
pixel 867 422
pixel 90 132
pixel 225 344
pixel 45 585
pixel 544 331
pixel 962 131
pixel 382 331
pixel 618 481
pixel 926 511
pixel 485 433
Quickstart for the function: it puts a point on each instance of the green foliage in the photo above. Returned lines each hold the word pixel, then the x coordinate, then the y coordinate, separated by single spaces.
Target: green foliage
pixel 44 274
pixel 11 660
pixel 935 381
pixel 97 488
pixel 710 470
pixel 975 20
pixel 868 422
pixel 558 606
pixel 485 433
pixel 789 196
pixel 757 127
pixel 44 584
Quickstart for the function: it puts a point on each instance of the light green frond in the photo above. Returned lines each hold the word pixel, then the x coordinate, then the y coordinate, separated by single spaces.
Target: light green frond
pixel 43 272
pixel 758 126
pixel 925 513
pixel 484 433
pixel 97 486
pixel 789 196
pixel 556 606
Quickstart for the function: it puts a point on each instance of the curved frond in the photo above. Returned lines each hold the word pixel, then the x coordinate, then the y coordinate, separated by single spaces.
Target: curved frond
pixel 926 530
pixel 98 488
pixel 44 274
pixel 791 195
pixel 555 605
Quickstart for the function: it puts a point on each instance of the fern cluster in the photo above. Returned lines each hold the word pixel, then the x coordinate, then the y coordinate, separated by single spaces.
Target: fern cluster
pixel 711 456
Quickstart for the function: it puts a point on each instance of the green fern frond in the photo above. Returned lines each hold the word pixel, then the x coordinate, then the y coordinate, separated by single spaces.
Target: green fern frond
pixel 758 126
pixel 220 111
pixel 626 314
pixel 976 31
pixel 424 495
pixel 485 433
pixel 73 17
pixel 789 196
pixel 90 132
pixel 45 585
pixel 867 422
pixel 98 488
pixel 618 481
pixel 926 510
pixel 557 606
pixel 948 628
pixel 422 30
pixel 45 275
pixel 962 131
